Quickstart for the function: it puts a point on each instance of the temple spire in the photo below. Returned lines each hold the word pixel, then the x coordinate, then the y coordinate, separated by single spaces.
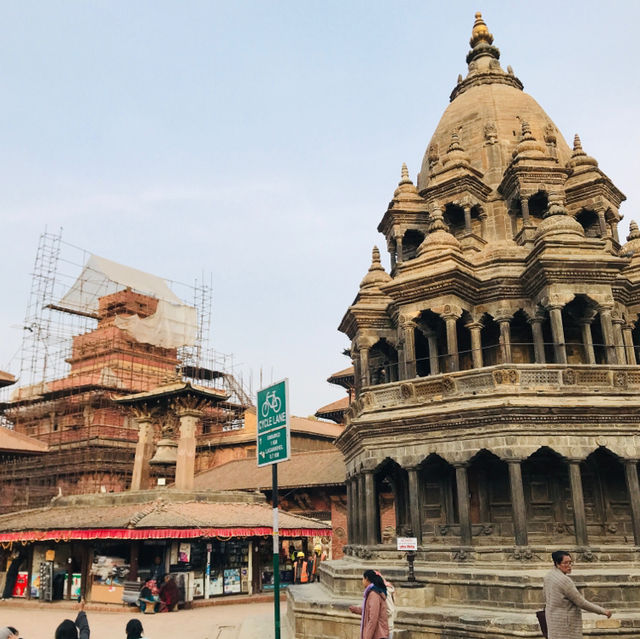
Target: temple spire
pixel 480 32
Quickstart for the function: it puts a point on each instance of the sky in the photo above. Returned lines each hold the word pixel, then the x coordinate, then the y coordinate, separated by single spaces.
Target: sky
pixel 261 141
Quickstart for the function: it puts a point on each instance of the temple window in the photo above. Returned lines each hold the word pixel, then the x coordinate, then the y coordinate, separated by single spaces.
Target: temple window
pixel 589 222
pixel 454 219
pixel 383 363
pixel 410 243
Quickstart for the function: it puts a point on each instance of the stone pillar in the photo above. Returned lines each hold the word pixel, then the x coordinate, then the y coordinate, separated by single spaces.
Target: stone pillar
pixel 364 366
pixel 475 329
pixel 603 223
pixel 618 339
pixel 483 225
pixel 505 339
pixel 361 519
pixel 631 474
pixel 524 203
pixel 392 253
pixel 577 498
pixel 607 334
pixel 557 330
pixel 399 249
pixel 452 342
pixel 517 502
pixel 409 339
pixel 434 360
pixel 538 340
pixel 144 452
pixel 415 503
pixel 189 416
pixel 467 219
pixel 464 506
pixel 587 342
pixel 371 529
pixel 627 335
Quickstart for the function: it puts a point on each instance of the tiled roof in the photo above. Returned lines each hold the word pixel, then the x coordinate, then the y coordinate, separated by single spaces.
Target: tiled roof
pixel 156 513
pixel 318 468
pixel 6 379
pixel 335 407
pixel 13 442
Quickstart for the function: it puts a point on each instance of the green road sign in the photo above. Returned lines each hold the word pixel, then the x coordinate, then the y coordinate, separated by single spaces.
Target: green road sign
pixel 273 424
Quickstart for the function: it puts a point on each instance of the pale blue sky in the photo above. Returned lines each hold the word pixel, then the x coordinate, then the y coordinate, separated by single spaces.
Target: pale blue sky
pixel 262 141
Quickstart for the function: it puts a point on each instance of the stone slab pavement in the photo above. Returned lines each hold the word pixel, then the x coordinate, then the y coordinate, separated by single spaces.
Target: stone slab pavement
pixel 234 621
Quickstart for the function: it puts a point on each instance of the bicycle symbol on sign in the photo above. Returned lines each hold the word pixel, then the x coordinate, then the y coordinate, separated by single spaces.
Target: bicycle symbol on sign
pixel 272 402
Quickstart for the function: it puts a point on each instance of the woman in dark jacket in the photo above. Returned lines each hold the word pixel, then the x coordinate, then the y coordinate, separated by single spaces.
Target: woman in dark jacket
pixel 74 630
pixel 374 624
pixel 169 594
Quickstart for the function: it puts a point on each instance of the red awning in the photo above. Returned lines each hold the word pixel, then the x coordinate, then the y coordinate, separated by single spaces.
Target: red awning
pixel 155 533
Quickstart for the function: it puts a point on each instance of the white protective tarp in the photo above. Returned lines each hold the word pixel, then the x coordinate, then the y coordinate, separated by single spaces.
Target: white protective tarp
pixel 174 323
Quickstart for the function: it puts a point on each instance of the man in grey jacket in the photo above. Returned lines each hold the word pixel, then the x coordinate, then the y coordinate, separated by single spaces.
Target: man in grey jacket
pixel 564 604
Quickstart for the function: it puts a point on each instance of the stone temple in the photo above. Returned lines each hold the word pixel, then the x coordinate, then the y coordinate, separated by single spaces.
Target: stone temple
pixel 497 381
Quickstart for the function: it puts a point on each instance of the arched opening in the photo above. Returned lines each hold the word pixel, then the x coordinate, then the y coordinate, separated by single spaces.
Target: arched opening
pixel 635 336
pixel 438 497
pixel 490 496
pixel 599 347
pixel 490 338
pixel 547 492
pixel 589 222
pixel 431 344
pixel 391 483
pixel 454 218
pixel 538 204
pixel 383 363
pixel 522 351
pixel 606 497
pixel 476 222
pixel 410 243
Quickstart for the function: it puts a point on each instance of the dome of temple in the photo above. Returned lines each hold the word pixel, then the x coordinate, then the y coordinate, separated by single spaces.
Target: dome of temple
pixel 633 241
pixel 438 237
pixel 487 108
pixel 376 274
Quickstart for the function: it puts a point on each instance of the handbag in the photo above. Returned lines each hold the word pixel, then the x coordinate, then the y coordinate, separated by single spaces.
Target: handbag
pixel 542 620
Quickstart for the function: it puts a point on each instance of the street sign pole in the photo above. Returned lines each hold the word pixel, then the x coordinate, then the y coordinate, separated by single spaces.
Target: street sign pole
pixel 276 551
pixel 273 446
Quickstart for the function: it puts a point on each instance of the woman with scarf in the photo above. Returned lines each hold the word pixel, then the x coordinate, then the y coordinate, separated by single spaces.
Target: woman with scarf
pixel 374 623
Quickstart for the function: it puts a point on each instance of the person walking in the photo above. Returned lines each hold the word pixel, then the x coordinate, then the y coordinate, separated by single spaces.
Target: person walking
pixel 374 623
pixel 563 602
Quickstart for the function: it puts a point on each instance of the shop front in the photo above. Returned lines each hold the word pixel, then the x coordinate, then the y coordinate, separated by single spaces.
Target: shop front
pixel 223 546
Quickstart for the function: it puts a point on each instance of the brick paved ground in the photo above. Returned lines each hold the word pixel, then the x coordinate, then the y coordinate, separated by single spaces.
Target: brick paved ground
pixel 235 621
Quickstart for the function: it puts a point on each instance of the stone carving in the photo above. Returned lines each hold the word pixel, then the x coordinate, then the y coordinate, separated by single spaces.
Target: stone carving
pixel 461 555
pixel 448 385
pixel 490 133
pixel 407 391
pixel 620 379
pixel 569 377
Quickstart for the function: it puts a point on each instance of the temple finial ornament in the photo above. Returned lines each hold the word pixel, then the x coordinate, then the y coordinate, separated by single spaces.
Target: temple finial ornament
pixel 634 231
pixel 579 158
pixel 404 178
pixel 480 32
pixel 577 145
pixel 375 255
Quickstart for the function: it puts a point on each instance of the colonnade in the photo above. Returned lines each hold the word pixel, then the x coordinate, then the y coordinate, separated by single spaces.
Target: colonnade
pixel 363 521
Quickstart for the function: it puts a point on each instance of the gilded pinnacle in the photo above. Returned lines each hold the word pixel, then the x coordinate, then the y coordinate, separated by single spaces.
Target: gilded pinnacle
pixel 480 32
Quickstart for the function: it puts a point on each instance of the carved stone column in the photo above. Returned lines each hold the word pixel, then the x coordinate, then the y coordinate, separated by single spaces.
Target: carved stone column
pixel 409 339
pixel 189 412
pixel 524 203
pixel 391 247
pixel 631 474
pixel 452 342
pixel 557 330
pixel 371 531
pixel 467 219
pixel 577 497
pixel 144 451
pixel 538 339
pixel 618 339
pixel 464 505
pixel 475 329
pixel 415 503
pixel 627 334
pixel 517 502
pixel 399 249
pixel 603 223
pixel 434 360
pixel 364 366
pixel 360 518
pixel 505 338
pixel 587 341
pixel 350 511
pixel 607 334
pixel 483 224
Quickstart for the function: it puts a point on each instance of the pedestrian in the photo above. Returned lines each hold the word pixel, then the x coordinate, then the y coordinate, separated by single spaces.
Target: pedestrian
pixel 17 559
pixel 297 567
pixel 374 623
pixel 391 603
pixel 134 629
pixel 9 632
pixel 563 602
pixel 78 629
